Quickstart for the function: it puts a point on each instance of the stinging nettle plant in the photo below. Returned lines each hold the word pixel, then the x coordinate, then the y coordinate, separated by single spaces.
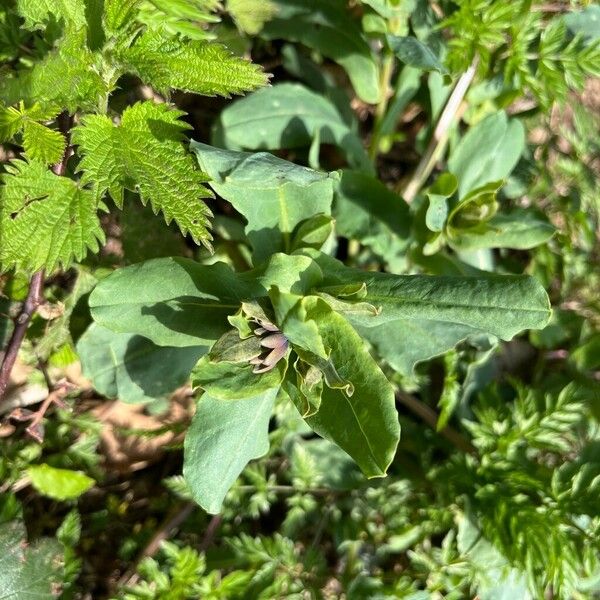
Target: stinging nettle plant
pixel 295 324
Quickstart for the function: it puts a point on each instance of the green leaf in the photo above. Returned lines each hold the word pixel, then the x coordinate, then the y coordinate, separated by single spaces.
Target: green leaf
pixel 274 195
pixel 166 62
pixel 251 15
pixel 27 571
pixel 67 78
pixel 42 143
pixel 59 484
pixel 191 310
pixel 38 13
pixel 145 153
pixel 131 368
pixel 502 305
pixel 437 211
pixel 223 437
pixel 364 423
pixel 488 152
pixel 328 28
pixel 414 53
pixel 288 116
pixel 46 221
pixel 521 229
pixel 585 23
pixel 11 121
pixel 367 211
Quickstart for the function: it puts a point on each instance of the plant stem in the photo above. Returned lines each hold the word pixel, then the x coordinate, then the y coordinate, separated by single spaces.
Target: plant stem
pixel 33 300
pixel 438 140
pixel 36 284
pixel 385 78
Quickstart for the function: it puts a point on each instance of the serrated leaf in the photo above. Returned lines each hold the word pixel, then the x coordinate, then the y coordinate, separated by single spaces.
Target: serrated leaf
pixel 11 120
pixel 59 484
pixel 145 153
pixel 287 115
pixel 223 437
pixel 45 220
pixel 191 310
pixel 42 143
pixel 166 62
pixel 329 28
pixel 67 78
pixel 131 368
pixel 37 13
pixel 27 572
pixel 274 195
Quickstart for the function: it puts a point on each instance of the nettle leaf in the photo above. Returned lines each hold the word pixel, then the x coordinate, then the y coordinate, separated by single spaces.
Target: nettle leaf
pixel 166 62
pixel 59 484
pixel 488 152
pixel 42 143
pixel 37 13
pixel 223 437
pixel 11 121
pixel 46 221
pixel 28 571
pixel 67 78
pixel 132 368
pixel 328 28
pixel 274 195
pixel 287 115
pixel 415 53
pixel 191 310
pixel 145 154
pixel 361 419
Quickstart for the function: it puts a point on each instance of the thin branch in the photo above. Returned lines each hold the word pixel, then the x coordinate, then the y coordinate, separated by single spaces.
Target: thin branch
pixel 437 143
pixel 33 300
pixel 431 418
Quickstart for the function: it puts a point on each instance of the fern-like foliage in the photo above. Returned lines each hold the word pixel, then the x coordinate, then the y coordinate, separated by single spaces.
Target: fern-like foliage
pixel 145 154
pixel 45 220
pixel 166 62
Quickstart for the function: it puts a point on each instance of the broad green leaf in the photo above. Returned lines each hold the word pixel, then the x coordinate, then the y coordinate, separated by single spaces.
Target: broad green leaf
pixel 313 232
pixel 414 53
pixel 172 301
pixel 273 195
pixel 328 28
pixel 502 305
pixel 294 274
pixel 364 423
pixel 287 115
pixel 520 229
pixel 28 571
pixel 405 342
pixel 131 368
pixel 223 437
pixel 366 210
pixel 166 62
pixel 59 484
pixel 145 153
pixel 227 380
pixel 46 221
pixel 488 152
pixel 251 15
pixel 42 143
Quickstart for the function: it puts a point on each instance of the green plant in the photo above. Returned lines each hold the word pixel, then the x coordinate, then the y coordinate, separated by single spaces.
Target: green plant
pixel 359 239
